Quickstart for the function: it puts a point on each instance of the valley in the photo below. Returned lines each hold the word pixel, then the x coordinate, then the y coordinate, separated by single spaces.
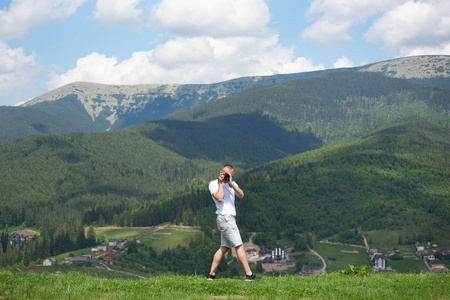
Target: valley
pixel 336 155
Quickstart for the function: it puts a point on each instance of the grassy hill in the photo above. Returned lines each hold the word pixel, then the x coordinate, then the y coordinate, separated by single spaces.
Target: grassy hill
pixel 333 286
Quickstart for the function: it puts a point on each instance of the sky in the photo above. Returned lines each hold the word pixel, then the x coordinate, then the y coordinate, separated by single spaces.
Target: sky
pixel 45 44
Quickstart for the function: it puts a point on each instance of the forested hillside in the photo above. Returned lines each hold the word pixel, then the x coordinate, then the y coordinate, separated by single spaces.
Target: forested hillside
pixel 395 179
pixel 47 178
pixel 336 108
pixel 20 121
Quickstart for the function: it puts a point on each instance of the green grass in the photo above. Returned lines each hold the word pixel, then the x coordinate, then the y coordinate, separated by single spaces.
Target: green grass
pixel 337 260
pixel 408 266
pixel 383 238
pixel 330 286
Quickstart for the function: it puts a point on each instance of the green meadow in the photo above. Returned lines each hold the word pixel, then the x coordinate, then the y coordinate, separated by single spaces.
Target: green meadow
pixel 19 285
pixel 158 237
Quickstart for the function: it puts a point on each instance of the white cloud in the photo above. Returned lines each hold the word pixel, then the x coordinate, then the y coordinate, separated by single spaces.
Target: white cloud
pixel 189 60
pixel 17 70
pixel 23 14
pixel 343 62
pixel 443 49
pixel 211 41
pixel 119 12
pixel 218 18
pixel 335 18
pixel 407 26
pixel 414 27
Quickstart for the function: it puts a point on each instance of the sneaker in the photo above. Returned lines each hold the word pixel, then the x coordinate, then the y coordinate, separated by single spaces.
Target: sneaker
pixel 251 277
pixel 210 277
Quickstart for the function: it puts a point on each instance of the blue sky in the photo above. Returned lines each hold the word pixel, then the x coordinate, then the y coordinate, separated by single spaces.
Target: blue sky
pixel 45 44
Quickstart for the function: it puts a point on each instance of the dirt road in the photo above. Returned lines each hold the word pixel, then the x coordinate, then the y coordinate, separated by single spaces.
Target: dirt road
pixel 314 252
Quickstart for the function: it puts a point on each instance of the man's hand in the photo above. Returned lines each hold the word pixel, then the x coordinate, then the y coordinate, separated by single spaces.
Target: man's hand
pixel 229 180
pixel 222 178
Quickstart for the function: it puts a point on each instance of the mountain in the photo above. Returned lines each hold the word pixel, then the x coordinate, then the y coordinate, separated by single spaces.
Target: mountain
pixel 20 121
pixel 99 107
pixel 105 173
pixel 394 179
pixel 336 107
pixel 425 70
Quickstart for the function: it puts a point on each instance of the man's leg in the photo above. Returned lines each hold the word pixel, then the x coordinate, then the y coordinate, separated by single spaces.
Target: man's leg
pixel 217 258
pixel 240 252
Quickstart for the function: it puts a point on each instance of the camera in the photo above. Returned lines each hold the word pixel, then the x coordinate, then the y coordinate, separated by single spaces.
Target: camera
pixel 226 177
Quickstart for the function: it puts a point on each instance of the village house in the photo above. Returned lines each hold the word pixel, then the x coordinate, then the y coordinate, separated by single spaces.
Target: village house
pixel 17 238
pixel 430 257
pixel 49 262
pixel 108 258
pixel 112 243
pixel 379 261
pixel 119 248
pixel 99 249
pixel 74 260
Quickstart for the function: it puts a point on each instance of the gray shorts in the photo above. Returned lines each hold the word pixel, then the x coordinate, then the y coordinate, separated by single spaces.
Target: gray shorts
pixel 229 232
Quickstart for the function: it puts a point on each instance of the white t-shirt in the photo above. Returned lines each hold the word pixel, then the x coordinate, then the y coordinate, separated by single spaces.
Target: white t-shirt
pixel 227 206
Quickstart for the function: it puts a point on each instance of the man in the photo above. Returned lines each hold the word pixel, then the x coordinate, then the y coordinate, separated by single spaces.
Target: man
pixel 223 191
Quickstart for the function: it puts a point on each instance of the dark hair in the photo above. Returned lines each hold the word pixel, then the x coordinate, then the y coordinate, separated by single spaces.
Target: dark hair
pixel 228 166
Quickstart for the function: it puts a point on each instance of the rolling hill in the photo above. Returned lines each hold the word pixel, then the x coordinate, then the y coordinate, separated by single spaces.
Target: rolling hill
pixel 395 179
pixel 50 177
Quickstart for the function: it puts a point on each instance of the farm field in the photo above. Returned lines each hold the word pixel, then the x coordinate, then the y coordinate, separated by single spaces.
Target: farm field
pixel 408 266
pixel 158 237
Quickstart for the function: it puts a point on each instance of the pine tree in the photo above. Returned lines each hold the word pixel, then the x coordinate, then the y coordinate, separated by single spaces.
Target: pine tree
pixel 26 257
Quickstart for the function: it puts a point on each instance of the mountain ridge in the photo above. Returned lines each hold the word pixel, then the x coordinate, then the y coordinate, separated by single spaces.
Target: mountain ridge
pixel 101 107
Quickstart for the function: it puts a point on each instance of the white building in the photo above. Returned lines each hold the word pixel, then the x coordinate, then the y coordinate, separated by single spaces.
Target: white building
pixel 278 252
pixel 379 261
pixel 49 262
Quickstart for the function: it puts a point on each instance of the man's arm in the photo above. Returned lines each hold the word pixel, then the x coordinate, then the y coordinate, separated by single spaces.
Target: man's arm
pixel 237 190
pixel 219 194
